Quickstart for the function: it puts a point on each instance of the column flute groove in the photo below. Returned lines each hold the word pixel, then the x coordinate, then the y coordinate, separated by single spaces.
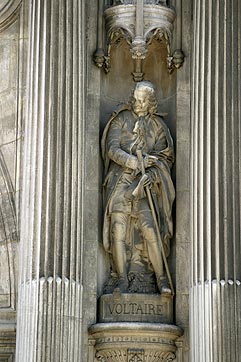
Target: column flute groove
pixel 215 284
pixel 50 290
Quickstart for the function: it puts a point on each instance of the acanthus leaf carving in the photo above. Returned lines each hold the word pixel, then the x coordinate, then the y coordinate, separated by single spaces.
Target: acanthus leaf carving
pixel 111 355
pixel 134 355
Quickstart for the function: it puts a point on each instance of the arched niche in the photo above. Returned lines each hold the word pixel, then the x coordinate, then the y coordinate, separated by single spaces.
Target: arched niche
pixel 116 87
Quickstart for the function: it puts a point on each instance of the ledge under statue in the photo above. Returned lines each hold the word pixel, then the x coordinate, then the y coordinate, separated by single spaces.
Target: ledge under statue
pixel 138 153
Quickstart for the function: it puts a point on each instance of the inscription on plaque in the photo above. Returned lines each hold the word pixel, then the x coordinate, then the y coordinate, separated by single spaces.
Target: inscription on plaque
pixel 135 308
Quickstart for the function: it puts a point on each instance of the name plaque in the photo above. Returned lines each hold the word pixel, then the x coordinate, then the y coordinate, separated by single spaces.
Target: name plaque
pixel 150 308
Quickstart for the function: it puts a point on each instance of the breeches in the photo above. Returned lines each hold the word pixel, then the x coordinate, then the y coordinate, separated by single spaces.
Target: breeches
pixel 120 227
pixel 120 223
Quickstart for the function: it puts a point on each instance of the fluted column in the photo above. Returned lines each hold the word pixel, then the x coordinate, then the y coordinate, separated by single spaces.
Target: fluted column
pixel 50 288
pixel 215 295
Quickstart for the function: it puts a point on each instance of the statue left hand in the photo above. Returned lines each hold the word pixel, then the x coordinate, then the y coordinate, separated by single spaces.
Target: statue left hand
pixel 147 180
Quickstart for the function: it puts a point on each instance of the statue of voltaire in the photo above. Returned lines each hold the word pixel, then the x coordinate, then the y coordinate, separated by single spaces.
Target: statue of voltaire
pixel 137 149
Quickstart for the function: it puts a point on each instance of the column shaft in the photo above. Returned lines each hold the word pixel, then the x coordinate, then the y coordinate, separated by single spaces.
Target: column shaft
pixel 216 183
pixel 50 290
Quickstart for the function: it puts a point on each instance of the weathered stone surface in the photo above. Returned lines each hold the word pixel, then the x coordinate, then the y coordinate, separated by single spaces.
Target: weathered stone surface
pixel 7 342
pixel 183 36
pixel 216 183
pixel 152 308
pixel 51 276
pixel 12 88
pixel 183 267
pixel 134 341
pixel 207 147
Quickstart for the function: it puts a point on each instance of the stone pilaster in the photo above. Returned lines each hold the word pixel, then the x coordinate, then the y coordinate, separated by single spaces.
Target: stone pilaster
pixel 183 34
pixel 216 183
pixel 50 288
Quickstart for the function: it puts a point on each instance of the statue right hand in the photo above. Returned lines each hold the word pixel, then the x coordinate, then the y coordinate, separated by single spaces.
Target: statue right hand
pixel 132 162
pixel 150 161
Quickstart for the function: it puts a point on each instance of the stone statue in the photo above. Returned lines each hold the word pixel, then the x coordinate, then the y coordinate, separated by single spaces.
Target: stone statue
pixel 138 153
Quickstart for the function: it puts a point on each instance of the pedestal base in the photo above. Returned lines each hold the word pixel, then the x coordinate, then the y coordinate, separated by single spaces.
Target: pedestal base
pixel 130 342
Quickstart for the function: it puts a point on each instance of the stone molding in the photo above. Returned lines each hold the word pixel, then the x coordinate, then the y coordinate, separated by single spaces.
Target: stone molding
pixel 9 11
pixel 129 342
pixel 7 343
pixel 138 24
pixel 134 355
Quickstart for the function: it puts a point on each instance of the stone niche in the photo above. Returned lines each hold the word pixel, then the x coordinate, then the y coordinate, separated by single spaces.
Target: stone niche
pixel 116 89
pixel 135 326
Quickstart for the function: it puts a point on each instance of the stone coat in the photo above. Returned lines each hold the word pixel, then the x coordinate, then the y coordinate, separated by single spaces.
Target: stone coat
pixel 116 145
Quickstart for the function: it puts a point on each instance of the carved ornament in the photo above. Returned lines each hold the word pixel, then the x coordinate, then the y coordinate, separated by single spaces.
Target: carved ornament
pixel 134 342
pixel 134 355
pixel 138 23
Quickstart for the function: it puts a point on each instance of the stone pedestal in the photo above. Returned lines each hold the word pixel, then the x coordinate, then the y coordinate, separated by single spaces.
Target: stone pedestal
pixel 130 342
pixel 153 308
pixel 134 327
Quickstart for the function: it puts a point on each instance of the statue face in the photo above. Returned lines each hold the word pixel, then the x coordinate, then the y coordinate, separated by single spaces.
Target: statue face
pixel 141 104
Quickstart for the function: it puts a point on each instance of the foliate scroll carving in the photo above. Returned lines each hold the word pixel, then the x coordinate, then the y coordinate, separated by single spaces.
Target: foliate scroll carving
pixel 135 342
pixel 111 356
pixel 154 356
pixel 134 355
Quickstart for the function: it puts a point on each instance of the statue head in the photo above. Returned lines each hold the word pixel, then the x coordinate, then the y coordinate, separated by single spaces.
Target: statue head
pixel 143 99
